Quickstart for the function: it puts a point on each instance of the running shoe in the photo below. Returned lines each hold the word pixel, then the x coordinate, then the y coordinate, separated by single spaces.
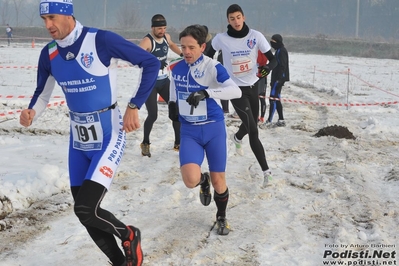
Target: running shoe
pixel 176 147
pixel 238 145
pixel 265 125
pixel 267 176
pixel 132 248
pixel 280 123
pixel 205 191
pixel 145 149
pixel 223 226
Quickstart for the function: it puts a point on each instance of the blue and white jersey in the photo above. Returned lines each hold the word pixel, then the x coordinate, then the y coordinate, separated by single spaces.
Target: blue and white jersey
pixel 205 74
pixel 86 71
pixel 240 55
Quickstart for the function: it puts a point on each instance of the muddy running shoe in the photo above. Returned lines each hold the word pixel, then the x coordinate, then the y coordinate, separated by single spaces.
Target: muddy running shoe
pixel 205 191
pixel 265 125
pixel 145 149
pixel 280 123
pixel 223 226
pixel 267 176
pixel 176 147
pixel 132 248
pixel 237 143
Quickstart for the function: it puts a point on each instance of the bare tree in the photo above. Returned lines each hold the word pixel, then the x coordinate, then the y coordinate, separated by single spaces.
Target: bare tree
pixel 17 8
pixel 5 12
pixel 128 16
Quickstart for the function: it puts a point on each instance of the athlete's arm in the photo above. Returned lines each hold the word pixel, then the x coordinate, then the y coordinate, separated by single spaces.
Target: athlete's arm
pixel 44 85
pixel 272 60
pixel 145 43
pixel 173 46
pixel 227 89
pixel 111 45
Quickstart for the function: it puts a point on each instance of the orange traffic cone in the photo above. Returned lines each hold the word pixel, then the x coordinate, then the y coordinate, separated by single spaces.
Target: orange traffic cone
pixel 33 43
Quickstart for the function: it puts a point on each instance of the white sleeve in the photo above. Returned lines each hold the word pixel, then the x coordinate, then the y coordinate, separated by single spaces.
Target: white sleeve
pixel 172 91
pixel 44 97
pixel 226 91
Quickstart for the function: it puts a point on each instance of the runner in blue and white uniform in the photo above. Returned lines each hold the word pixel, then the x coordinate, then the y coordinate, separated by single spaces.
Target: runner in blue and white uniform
pixel 197 85
pixel 83 61
pixel 158 43
pixel 239 46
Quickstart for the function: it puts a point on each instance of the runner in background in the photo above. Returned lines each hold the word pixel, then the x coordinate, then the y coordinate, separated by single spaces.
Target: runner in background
pixel 240 46
pixel 158 42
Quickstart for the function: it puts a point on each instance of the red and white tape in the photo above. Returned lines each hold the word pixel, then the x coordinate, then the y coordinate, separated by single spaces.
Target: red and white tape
pixel 30 67
pixel 331 104
pixel 15 112
pixel 24 96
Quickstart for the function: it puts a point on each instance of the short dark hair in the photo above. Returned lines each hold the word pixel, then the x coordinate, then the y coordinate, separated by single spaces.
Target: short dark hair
pixel 196 31
pixel 157 17
pixel 234 8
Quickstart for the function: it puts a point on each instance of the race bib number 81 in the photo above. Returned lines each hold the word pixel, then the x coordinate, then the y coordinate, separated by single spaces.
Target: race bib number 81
pixel 241 66
pixel 87 133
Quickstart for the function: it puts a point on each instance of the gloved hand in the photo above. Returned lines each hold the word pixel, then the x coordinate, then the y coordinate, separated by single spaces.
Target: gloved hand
pixel 163 64
pixel 263 71
pixel 195 97
pixel 173 111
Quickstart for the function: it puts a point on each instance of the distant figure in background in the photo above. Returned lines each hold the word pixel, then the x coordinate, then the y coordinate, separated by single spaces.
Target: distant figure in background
pixel 279 76
pixel 262 84
pixel 208 40
pixel 158 42
pixel 9 34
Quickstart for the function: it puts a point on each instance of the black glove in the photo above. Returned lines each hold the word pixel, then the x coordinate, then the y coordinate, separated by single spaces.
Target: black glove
pixel 173 111
pixel 195 97
pixel 263 71
pixel 163 64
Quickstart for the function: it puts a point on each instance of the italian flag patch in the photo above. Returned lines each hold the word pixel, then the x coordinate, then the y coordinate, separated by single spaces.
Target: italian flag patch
pixel 52 49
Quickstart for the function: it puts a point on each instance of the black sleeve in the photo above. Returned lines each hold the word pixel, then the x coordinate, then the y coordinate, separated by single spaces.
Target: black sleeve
pixel 272 60
pixel 210 52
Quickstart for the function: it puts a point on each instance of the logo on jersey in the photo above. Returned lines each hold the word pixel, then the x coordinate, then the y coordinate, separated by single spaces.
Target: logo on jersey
pixel 105 170
pixel 198 74
pixel 165 49
pixel 69 56
pixel 251 43
pixel 87 59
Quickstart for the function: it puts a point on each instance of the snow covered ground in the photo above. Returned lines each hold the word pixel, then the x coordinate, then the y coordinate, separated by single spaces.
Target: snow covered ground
pixel 329 200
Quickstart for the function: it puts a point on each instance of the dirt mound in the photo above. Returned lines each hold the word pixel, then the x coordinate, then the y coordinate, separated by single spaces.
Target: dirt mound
pixel 335 131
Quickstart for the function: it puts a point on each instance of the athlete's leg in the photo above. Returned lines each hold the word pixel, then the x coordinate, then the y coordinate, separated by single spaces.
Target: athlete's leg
pixel 245 108
pixel 152 114
pixel 104 240
pixel 163 90
pixel 279 106
pixel 272 101
pixel 191 155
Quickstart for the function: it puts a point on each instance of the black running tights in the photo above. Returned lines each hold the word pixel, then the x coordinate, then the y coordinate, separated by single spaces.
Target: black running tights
pixel 100 224
pixel 161 88
pixel 247 108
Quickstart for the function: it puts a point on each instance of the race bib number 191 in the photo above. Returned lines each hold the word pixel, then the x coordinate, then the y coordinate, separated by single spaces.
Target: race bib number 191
pixel 86 131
